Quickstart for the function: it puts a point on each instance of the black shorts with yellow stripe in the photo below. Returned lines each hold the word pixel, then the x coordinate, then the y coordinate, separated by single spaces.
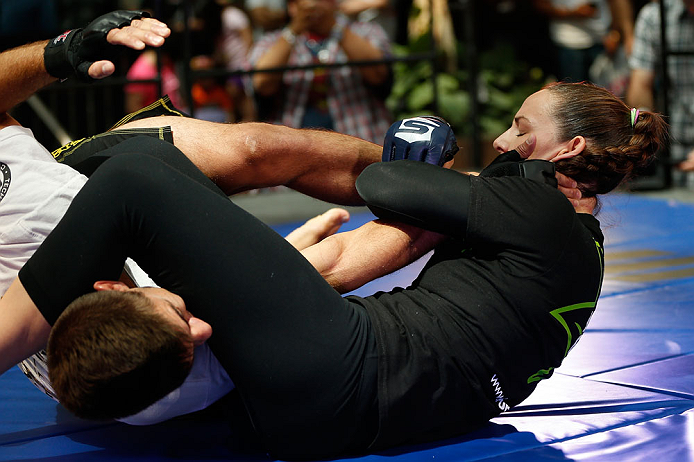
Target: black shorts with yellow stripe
pixel 80 154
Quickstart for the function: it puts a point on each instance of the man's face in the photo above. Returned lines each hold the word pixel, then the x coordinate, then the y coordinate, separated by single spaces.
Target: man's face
pixel 317 13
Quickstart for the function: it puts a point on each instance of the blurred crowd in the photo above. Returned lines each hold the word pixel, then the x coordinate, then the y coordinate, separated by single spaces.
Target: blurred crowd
pixel 614 43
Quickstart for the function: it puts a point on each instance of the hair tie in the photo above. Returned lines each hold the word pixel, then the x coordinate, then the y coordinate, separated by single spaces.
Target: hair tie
pixel 634 116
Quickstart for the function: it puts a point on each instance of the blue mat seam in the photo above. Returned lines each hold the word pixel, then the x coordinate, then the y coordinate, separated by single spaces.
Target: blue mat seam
pixel 630 366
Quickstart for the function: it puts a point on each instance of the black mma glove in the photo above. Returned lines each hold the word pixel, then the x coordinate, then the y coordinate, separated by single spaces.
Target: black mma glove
pixel 425 139
pixel 511 163
pixel 71 53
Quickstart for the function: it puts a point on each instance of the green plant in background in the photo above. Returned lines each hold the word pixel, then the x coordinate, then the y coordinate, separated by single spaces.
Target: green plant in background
pixel 503 83
pixel 413 88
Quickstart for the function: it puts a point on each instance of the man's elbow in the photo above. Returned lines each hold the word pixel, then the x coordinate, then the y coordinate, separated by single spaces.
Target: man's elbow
pixel 340 286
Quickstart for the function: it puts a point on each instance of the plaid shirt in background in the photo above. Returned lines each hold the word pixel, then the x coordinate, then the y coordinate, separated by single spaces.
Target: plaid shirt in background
pixel 354 110
pixel 647 55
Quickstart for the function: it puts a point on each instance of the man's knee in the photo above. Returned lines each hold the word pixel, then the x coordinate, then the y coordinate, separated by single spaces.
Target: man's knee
pixel 151 146
pixel 140 162
pixel 128 171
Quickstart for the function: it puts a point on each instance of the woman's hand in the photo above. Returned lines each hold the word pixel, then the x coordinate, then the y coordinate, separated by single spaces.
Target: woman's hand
pixel 566 185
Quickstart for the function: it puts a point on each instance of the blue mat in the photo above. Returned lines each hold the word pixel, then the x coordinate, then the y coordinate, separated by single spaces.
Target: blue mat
pixel 625 392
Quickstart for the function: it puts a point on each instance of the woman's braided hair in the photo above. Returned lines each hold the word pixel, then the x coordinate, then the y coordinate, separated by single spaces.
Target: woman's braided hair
pixel 615 151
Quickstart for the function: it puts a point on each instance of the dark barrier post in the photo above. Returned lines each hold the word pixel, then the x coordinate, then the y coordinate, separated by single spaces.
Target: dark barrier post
pixel 434 61
pixel 187 55
pixel 665 155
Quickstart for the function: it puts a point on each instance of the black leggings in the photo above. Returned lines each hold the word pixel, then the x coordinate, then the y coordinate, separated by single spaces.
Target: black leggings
pixel 303 358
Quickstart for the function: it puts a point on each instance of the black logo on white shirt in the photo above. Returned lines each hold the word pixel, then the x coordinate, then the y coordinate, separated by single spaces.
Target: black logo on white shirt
pixel 5 177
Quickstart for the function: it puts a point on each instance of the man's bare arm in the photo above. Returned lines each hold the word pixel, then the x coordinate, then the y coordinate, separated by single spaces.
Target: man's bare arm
pixel 22 73
pixel 351 259
pixel 22 69
pixel 239 157
pixel 317 228
pixel 23 329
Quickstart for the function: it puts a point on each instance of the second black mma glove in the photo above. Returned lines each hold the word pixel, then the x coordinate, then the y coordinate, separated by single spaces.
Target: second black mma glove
pixel 425 139
pixel 71 53
pixel 511 163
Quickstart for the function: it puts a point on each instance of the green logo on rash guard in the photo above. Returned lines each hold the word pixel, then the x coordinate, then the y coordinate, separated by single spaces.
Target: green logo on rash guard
pixel 569 317
pixel 540 375
pixel 573 318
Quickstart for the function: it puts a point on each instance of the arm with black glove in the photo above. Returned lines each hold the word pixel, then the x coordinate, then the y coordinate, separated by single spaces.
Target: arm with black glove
pixel 80 52
pixel 348 260
pixel 431 197
pixel 73 53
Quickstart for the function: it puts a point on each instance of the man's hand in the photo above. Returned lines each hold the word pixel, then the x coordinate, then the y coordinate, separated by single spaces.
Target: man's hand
pixel 86 53
pixel 565 185
pixel 318 228
pixel 300 18
pixel 569 188
pixel 139 34
pixel 515 163
pixel 26 69
pixel 527 147
pixel 425 139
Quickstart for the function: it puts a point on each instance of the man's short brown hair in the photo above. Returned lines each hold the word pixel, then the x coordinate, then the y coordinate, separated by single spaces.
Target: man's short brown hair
pixel 111 354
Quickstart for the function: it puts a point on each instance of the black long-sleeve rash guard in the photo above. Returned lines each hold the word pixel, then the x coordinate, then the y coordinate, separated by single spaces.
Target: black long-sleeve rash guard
pixel 493 312
pixel 434 198
pixel 419 194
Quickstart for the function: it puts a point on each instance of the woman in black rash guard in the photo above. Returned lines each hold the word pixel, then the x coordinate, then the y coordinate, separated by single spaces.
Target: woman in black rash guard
pixel 505 296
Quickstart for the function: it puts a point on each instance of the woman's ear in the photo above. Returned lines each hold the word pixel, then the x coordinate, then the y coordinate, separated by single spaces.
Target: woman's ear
pixel 572 148
pixel 110 285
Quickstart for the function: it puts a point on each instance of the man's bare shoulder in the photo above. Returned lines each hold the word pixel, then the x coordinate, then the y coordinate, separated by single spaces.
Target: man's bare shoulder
pixel 6 120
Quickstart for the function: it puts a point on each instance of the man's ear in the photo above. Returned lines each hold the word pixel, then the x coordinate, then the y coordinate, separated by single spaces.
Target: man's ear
pixel 110 285
pixel 572 148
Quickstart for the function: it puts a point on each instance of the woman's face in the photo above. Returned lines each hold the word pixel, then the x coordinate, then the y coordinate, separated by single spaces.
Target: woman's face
pixel 533 117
